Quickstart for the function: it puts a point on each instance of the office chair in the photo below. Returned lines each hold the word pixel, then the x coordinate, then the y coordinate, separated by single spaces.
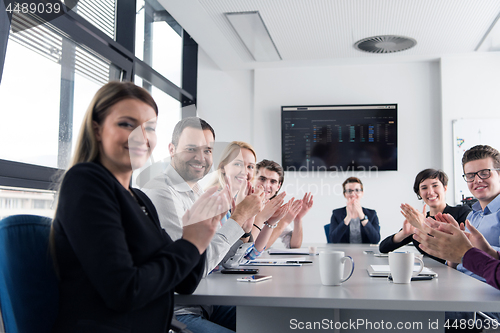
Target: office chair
pixel 327 232
pixel 29 292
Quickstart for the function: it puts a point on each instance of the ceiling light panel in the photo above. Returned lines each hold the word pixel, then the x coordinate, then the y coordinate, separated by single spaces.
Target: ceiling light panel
pixel 253 33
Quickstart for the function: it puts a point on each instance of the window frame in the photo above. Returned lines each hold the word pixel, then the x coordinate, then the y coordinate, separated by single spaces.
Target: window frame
pixel 121 54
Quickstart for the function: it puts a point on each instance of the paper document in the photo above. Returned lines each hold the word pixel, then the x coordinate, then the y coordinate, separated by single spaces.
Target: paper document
pixel 302 250
pixel 295 261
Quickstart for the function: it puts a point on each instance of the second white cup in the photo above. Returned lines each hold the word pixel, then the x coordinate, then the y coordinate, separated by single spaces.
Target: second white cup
pixel 331 267
pixel 401 265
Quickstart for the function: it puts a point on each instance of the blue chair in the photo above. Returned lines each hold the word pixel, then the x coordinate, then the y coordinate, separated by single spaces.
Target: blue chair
pixel 327 232
pixel 29 293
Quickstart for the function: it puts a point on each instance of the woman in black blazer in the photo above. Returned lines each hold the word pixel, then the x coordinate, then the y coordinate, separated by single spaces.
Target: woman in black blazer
pixel 353 223
pixel 118 269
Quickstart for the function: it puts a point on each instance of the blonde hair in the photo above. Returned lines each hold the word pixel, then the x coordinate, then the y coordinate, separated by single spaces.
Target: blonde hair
pixel 230 152
pixel 244 145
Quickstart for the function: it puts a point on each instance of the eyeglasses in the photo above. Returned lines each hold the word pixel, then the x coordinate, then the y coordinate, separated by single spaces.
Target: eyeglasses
pixel 350 191
pixel 482 174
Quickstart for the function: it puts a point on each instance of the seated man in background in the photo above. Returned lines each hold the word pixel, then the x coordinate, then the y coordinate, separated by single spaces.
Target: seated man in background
pixel 271 176
pixel 175 191
pixel 353 223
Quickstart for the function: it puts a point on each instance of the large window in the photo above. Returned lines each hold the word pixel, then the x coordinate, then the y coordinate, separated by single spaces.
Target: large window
pixel 45 95
pixel 158 40
pixel 100 13
pixel 15 201
pixel 49 73
pixel 169 114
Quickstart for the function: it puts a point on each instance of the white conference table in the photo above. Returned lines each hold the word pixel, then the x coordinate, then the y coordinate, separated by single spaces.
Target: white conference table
pixel 294 299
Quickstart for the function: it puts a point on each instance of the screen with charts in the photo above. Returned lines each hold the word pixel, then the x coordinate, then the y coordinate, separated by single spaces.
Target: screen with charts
pixel 339 137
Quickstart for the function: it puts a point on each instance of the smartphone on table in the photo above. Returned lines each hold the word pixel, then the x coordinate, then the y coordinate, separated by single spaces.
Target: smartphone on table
pixel 254 278
pixel 417 278
pixel 240 271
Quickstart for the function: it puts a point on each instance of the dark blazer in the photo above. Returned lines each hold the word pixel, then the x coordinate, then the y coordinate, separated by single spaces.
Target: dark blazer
pixel 459 213
pixel 339 232
pixel 118 268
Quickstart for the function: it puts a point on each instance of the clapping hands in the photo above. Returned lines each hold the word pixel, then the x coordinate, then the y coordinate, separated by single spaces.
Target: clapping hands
pixel 354 209
pixel 413 217
pixel 307 203
pixel 201 220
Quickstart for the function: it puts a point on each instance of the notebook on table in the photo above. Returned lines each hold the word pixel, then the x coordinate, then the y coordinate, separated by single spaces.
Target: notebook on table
pixel 303 251
pixel 384 271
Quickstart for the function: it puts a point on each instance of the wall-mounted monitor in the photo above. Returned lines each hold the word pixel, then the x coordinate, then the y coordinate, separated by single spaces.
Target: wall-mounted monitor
pixel 339 137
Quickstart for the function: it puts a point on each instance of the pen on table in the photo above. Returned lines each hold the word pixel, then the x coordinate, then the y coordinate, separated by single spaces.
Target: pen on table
pixel 263 262
pixel 299 262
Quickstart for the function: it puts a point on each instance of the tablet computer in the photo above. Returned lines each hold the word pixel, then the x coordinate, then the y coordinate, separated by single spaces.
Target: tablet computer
pixel 384 271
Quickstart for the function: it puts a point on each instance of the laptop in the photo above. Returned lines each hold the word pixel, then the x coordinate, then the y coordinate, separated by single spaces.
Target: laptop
pixel 384 271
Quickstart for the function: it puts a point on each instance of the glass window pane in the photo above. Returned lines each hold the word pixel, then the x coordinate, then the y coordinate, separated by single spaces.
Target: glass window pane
pixel 167 52
pixel 139 29
pixel 157 43
pixel 47 84
pixel 16 201
pixel 29 100
pixel 100 13
pixel 169 114
pixel 84 92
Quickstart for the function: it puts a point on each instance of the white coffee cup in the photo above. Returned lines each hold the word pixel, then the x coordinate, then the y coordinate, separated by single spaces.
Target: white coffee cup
pixel 401 265
pixel 331 267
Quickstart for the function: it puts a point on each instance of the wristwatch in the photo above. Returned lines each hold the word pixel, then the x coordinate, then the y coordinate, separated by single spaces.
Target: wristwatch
pixel 364 218
pixel 271 226
pixel 246 234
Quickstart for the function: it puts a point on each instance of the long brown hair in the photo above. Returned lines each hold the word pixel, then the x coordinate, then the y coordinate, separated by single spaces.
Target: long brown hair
pixel 87 147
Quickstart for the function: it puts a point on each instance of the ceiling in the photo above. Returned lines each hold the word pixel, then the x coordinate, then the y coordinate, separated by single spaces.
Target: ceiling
pixel 324 31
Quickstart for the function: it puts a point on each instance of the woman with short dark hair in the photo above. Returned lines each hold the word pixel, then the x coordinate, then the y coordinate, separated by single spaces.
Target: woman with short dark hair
pixel 430 186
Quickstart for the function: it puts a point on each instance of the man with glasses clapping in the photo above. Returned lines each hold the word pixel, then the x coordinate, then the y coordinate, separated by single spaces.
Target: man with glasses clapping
pixel 481 166
pixel 353 223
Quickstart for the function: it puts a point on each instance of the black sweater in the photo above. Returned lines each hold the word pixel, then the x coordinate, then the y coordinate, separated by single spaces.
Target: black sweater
pixel 459 213
pixel 118 268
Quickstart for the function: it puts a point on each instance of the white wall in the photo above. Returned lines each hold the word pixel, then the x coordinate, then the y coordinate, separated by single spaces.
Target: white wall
pixel 414 87
pixel 226 101
pixel 470 89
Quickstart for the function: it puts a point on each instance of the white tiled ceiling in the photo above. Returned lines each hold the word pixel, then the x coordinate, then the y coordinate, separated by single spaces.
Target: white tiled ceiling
pixel 307 30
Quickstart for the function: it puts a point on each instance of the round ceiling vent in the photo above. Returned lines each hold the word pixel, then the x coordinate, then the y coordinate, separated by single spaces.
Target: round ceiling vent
pixel 385 44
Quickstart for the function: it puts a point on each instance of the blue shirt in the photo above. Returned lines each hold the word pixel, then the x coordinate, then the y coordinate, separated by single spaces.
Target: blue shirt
pixel 487 222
